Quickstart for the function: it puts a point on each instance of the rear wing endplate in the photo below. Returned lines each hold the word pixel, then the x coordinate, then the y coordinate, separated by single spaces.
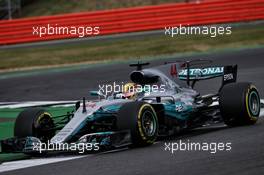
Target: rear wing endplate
pixel 192 75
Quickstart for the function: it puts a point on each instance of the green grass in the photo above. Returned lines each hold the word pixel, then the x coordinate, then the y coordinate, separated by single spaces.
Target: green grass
pixel 12 156
pixel 6 131
pixel 6 128
pixel 51 7
pixel 123 49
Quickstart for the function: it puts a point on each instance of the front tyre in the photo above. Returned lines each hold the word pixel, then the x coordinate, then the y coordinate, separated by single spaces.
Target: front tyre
pixel 34 122
pixel 239 104
pixel 141 119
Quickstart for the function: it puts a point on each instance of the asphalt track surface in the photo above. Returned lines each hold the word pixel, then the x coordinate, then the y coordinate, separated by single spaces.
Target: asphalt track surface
pixel 246 156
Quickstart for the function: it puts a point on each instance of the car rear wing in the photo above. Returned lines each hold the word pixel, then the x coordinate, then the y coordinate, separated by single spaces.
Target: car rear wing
pixel 192 75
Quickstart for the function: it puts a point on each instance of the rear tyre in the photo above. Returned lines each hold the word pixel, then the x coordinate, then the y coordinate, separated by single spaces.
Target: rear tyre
pixel 34 122
pixel 239 104
pixel 141 119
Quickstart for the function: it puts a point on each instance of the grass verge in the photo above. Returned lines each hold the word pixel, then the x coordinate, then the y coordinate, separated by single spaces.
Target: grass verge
pixel 7 128
pixel 123 49
pixel 49 7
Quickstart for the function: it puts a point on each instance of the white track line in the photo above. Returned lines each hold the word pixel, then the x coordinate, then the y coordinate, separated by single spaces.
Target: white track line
pixel 35 103
pixel 14 165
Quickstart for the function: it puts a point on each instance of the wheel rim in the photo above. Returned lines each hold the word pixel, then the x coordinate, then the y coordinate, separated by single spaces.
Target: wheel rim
pixel 254 104
pixel 43 127
pixel 149 123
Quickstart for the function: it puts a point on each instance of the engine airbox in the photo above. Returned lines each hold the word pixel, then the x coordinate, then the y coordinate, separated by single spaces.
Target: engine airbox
pixel 141 77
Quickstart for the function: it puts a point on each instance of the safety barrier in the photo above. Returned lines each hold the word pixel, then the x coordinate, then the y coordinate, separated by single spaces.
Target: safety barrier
pixel 135 19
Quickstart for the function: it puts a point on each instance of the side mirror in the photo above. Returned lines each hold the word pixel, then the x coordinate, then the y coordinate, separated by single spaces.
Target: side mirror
pixel 97 94
pixel 94 93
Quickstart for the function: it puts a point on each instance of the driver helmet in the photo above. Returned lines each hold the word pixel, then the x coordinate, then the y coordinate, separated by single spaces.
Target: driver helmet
pixel 129 90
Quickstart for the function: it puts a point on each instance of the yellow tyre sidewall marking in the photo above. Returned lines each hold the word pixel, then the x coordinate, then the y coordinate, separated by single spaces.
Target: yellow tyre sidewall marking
pixel 43 115
pixel 251 117
pixel 139 121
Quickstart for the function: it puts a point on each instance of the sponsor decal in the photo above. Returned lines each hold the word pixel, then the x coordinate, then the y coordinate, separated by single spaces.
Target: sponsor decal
pixel 202 72
pixel 179 107
pixel 228 77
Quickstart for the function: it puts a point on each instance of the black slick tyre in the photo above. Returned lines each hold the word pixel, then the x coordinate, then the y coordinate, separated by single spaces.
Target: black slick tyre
pixel 141 120
pixel 34 122
pixel 239 104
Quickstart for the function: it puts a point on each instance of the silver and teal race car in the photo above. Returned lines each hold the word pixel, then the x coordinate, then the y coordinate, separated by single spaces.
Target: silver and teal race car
pixel 165 104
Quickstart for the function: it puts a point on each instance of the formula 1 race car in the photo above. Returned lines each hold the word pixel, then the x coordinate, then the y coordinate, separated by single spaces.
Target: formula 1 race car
pixel 163 104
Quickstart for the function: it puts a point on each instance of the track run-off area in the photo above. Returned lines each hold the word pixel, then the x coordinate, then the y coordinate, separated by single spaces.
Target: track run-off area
pixel 245 157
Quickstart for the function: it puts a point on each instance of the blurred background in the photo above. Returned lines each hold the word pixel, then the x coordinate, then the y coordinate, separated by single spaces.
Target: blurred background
pixel 129 29
pixel 25 8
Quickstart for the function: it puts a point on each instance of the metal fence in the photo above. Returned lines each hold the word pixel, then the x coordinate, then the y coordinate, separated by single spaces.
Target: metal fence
pixel 127 20
pixel 9 8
